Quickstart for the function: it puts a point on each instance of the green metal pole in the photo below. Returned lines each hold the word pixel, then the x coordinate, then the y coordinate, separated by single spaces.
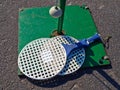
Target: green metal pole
pixel 60 20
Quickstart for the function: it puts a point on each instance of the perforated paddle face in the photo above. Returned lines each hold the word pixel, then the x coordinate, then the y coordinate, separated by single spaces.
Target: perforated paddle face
pixel 75 58
pixel 42 59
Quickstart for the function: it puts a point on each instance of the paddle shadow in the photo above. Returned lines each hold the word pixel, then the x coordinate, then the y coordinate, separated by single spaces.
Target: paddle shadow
pixel 57 80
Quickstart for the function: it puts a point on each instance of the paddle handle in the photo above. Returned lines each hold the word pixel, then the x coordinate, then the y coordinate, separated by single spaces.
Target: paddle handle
pixel 88 41
pixel 94 38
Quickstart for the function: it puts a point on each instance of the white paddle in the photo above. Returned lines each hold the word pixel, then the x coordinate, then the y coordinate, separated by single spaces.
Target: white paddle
pixel 42 59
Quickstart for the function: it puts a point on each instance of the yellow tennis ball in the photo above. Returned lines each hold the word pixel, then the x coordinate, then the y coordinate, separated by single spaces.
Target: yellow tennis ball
pixel 55 11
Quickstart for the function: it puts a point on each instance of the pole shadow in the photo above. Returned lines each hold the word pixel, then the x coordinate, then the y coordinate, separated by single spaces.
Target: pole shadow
pixel 103 73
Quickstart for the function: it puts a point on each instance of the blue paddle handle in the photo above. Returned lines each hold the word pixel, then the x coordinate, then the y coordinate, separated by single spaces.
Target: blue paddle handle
pixel 81 44
pixel 88 41
pixel 93 38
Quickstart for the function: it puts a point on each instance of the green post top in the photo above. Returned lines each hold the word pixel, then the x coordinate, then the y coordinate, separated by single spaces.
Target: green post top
pixel 60 20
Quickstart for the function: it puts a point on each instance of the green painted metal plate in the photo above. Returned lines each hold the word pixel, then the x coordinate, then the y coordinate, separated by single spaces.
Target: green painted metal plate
pixel 36 23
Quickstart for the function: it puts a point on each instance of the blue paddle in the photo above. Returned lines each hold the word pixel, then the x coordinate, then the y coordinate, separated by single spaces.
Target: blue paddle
pixel 81 44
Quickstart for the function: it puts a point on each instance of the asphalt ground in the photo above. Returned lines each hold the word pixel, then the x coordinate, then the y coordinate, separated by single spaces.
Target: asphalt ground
pixel 106 14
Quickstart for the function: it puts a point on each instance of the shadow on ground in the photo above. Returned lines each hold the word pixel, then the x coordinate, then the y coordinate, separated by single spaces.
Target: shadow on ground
pixel 60 80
